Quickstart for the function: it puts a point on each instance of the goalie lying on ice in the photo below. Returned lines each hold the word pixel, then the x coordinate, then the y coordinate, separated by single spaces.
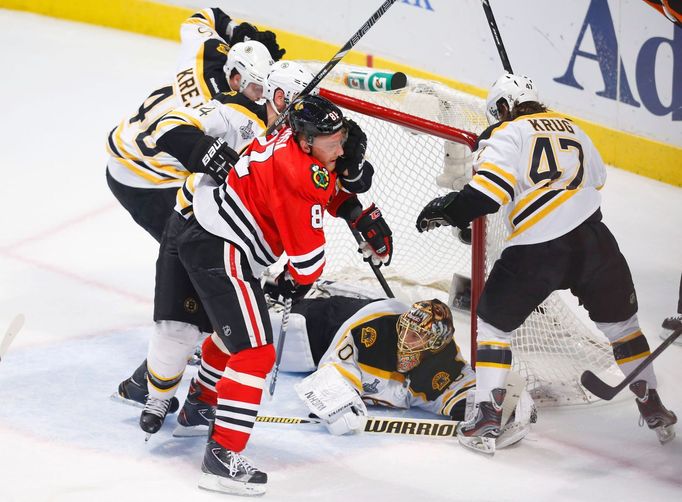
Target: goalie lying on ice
pixel 380 352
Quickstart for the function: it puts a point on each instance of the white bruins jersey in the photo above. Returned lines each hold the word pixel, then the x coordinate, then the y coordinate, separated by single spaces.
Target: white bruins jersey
pixel 135 160
pixel 200 73
pixel 364 351
pixel 545 170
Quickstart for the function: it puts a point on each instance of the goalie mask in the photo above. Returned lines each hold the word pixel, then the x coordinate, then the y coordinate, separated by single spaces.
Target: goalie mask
pixel 424 329
pixel 289 76
pixel 513 90
pixel 252 61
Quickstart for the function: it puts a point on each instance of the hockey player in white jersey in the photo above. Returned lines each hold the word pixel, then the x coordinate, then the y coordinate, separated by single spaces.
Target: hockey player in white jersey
pixel 547 173
pixel 142 178
pixel 226 124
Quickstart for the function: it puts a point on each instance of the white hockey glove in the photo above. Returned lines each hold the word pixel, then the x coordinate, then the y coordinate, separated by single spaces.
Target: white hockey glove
pixel 329 396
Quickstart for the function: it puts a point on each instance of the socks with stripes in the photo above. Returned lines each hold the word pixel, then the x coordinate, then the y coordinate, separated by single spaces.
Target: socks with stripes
pixel 239 395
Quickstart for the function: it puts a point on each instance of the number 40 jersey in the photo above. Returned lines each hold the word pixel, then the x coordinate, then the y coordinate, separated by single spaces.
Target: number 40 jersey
pixel 546 171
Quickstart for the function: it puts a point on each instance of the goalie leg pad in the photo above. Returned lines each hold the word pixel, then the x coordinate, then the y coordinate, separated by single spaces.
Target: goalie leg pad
pixel 329 396
pixel 169 347
pixel 296 354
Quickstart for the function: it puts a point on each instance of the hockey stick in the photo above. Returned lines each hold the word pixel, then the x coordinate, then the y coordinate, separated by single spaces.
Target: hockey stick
pixel 496 36
pixel 604 391
pixel 377 273
pixel 12 331
pixel 383 425
pixel 280 346
pixel 334 60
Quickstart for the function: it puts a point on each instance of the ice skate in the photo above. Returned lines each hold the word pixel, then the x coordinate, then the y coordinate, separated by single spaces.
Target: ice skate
pixel 518 424
pixel 133 390
pixel 227 471
pixel 195 417
pixel 153 415
pixel 480 432
pixel 652 411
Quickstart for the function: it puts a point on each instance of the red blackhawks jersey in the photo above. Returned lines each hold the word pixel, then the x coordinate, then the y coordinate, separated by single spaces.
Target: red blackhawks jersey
pixel 272 203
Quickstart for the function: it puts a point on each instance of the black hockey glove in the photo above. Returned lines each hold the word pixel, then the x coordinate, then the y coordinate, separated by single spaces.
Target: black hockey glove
pixel 213 157
pixel 286 287
pixel 355 173
pixel 433 215
pixel 378 247
pixel 245 32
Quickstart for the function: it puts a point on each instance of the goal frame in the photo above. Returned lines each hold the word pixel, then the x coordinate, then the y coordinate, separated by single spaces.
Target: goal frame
pixel 448 133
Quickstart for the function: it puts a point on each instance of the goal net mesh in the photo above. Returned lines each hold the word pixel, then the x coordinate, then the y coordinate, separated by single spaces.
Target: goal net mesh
pixel 412 166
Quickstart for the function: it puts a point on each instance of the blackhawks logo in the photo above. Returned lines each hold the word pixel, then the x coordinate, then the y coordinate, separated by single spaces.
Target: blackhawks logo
pixel 440 380
pixel 368 336
pixel 320 176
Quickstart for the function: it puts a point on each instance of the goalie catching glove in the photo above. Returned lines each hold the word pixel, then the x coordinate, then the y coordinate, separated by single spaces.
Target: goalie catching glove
pixel 285 286
pixel 331 398
pixel 213 157
pixel 355 173
pixel 378 245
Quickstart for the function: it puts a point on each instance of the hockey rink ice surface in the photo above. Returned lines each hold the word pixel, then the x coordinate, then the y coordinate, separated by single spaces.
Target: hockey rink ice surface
pixel 79 268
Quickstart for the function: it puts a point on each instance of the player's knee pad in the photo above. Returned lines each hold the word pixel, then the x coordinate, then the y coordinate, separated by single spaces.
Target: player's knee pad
pixel 616 331
pixel 256 361
pixel 170 345
pixel 627 341
pixel 489 333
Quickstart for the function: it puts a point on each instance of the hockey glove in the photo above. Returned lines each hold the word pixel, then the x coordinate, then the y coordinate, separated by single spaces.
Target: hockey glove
pixel 286 287
pixel 433 215
pixel 213 157
pixel 354 173
pixel 245 32
pixel 378 236
pixel 335 401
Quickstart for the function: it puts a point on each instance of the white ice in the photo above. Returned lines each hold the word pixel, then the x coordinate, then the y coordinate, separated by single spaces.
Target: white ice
pixel 82 272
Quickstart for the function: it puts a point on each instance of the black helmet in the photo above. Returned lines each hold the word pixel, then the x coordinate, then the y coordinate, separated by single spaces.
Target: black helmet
pixel 313 115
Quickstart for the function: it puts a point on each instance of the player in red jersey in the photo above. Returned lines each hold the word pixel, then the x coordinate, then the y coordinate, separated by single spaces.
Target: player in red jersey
pixel 210 263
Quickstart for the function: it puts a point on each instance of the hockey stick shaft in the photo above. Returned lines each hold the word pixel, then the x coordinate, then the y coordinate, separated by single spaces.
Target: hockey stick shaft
pixel 383 425
pixel 496 36
pixel 377 273
pixel 280 346
pixel 12 331
pixel 604 391
pixel 334 60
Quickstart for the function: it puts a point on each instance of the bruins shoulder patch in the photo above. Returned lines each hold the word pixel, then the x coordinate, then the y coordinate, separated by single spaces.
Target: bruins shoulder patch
pixel 368 336
pixel 440 380
pixel 320 176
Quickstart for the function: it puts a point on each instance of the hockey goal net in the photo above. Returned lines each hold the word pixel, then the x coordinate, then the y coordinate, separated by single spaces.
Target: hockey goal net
pixel 420 139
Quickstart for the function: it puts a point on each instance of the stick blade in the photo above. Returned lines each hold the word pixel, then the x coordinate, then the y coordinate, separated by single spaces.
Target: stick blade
pixel 597 386
pixel 14 328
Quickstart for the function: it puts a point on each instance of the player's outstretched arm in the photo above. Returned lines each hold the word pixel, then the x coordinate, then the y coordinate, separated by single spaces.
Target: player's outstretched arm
pixel 456 208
